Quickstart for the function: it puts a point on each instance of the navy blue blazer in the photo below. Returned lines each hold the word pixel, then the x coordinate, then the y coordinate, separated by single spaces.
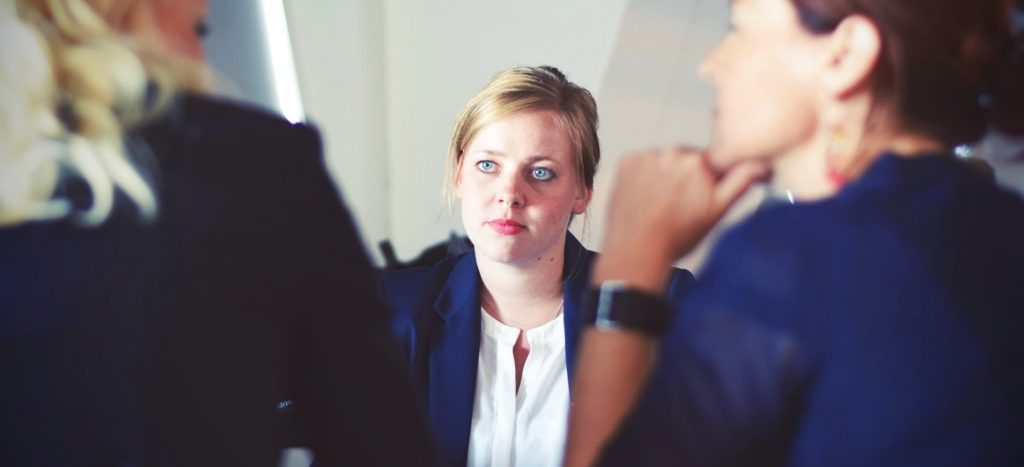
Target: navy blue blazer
pixel 437 324
pixel 879 327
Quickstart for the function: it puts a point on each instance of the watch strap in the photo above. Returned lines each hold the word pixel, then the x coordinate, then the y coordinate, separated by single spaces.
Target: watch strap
pixel 615 306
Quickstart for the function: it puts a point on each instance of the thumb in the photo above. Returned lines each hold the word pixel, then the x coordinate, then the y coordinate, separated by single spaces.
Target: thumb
pixel 734 183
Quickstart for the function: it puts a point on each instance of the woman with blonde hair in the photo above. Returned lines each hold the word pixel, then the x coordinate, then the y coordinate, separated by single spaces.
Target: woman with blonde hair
pixel 490 335
pixel 179 281
pixel 877 319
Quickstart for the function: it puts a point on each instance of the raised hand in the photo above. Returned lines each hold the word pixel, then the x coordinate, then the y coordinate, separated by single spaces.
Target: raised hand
pixel 663 203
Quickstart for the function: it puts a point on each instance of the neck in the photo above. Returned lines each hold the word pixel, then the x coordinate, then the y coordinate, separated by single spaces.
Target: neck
pixel 804 170
pixel 913 146
pixel 523 295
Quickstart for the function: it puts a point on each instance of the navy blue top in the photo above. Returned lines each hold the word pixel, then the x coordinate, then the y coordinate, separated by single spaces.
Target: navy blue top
pixel 880 327
pixel 171 343
pixel 437 323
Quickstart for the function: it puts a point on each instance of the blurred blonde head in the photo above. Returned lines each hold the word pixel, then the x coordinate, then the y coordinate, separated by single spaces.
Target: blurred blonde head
pixel 524 89
pixel 70 85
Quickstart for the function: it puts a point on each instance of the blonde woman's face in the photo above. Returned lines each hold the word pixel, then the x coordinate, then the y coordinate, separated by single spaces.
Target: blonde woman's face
pixel 518 187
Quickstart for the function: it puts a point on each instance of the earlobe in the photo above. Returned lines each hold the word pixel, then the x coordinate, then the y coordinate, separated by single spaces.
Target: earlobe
pixel 855 51
pixel 582 200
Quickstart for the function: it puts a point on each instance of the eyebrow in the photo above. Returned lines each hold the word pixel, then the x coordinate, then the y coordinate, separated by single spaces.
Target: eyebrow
pixel 534 158
pixel 489 152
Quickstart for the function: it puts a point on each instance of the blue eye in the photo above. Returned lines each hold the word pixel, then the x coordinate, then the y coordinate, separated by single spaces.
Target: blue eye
pixel 486 166
pixel 542 173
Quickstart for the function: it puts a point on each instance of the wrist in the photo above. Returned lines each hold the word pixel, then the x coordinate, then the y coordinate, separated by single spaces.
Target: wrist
pixel 616 306
pixel 636 269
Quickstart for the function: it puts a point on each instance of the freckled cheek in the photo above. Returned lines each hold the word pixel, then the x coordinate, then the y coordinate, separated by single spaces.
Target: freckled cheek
pixel 554 211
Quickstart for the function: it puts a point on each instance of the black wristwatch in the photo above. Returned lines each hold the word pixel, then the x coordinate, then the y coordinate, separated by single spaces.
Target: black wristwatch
pixel 615 306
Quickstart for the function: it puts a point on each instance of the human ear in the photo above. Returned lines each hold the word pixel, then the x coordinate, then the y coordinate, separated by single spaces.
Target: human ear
pixel 457 180
pixel 854 51
pixel 579 205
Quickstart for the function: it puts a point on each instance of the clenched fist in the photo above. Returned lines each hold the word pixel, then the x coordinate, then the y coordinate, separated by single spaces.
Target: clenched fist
pixel 663 203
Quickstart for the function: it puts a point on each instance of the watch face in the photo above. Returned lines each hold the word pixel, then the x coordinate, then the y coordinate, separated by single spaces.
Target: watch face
pixel 603 318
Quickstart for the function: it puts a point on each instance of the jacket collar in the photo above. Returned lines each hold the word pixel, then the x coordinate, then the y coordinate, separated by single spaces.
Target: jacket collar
pixel 576 280
pixel 461 291
pixel 455 348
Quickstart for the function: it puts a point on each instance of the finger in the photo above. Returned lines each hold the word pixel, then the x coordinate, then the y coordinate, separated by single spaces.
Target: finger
pixel 684 150
pixel 734 183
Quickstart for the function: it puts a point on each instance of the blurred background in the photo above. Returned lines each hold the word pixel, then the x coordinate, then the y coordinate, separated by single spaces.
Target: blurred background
pixel 384 81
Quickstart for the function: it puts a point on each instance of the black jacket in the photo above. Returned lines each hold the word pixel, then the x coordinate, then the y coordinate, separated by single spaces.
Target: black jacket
pixel 243 316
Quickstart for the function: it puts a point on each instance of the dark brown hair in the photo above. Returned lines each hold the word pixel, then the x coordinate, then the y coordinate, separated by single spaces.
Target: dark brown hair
pixel 948 68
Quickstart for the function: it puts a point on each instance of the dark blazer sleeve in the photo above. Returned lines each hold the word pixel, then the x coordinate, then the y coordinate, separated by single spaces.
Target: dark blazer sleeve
pixel 280 303
pixel 720 393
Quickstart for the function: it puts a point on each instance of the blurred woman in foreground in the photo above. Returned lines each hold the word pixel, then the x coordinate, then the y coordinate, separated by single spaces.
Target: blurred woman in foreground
pixel 173 267
pixel 877 320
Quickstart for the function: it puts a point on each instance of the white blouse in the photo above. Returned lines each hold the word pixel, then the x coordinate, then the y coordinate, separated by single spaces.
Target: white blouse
pixel 525 429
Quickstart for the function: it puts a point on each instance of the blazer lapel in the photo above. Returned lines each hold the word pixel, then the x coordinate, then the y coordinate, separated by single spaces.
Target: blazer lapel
pixel 454 352
pixel 576 277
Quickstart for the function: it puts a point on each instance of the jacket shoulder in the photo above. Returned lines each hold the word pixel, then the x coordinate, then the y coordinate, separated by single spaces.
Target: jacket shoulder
pixel 233 115
pixel 218 136
pixel 412 292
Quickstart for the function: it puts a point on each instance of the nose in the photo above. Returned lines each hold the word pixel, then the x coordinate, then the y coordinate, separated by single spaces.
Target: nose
pixel 510 191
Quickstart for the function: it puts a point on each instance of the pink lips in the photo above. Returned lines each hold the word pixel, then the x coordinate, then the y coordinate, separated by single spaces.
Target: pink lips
pixel 506 226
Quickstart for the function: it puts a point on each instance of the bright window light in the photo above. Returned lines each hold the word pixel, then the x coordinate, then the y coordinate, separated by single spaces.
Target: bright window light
pixel 286 84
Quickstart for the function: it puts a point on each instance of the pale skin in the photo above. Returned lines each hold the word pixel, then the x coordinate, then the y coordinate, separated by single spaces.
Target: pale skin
pixel 175 24
pixel 767 63
pixel 520 170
